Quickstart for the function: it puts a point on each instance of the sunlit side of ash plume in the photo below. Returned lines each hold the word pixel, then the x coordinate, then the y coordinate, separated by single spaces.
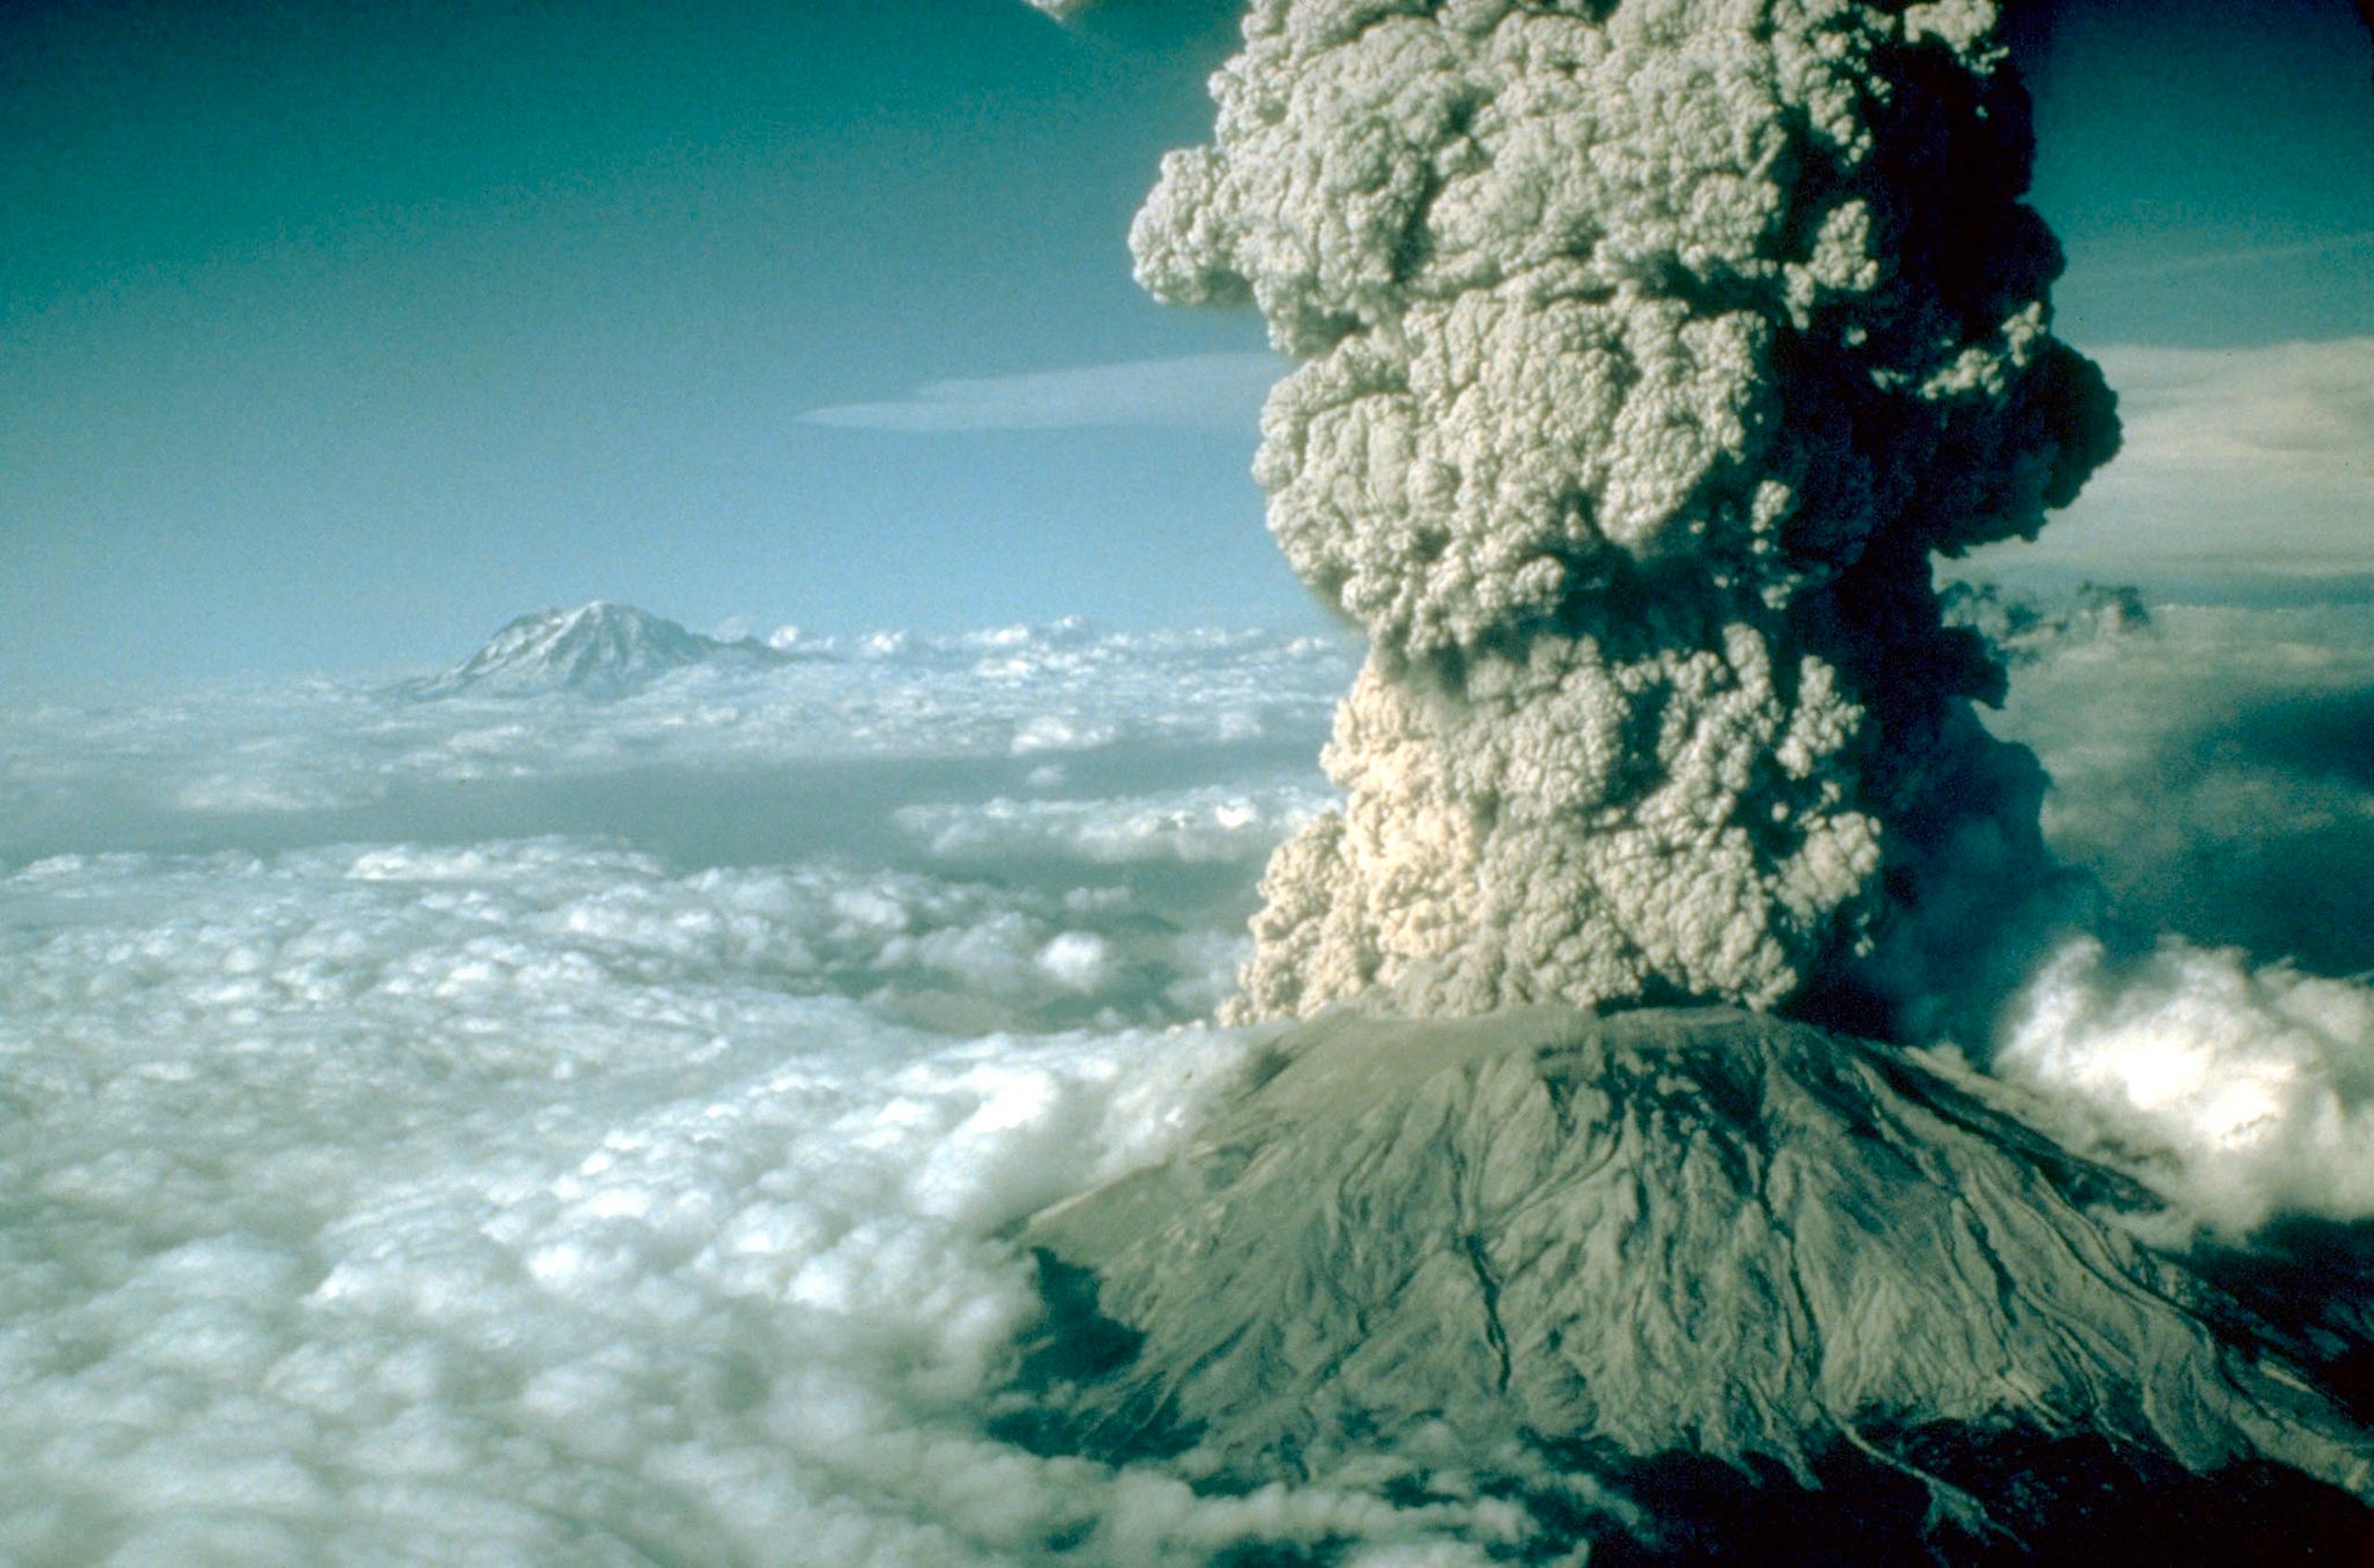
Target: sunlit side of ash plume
pixel 1649 352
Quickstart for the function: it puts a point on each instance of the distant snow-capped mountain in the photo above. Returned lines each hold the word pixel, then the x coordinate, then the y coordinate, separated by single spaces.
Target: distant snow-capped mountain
pixel 601 650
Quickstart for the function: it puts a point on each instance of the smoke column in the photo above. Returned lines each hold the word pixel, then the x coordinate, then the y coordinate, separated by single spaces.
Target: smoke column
pixel 1649 352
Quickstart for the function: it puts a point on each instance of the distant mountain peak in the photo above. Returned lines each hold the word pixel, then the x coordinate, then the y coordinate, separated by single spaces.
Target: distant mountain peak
pixel 602 649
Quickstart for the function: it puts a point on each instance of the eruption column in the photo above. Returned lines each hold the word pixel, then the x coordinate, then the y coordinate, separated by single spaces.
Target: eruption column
pixel 1648 351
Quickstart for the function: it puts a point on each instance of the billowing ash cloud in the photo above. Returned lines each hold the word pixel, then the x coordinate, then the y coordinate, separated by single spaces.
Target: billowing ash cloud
pixel 1649 352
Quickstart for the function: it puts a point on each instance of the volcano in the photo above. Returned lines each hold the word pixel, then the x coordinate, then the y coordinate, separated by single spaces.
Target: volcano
pixel 597 650
pixel 1683 1283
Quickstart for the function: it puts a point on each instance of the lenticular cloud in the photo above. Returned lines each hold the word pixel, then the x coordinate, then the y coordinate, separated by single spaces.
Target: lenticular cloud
pixel 1648 353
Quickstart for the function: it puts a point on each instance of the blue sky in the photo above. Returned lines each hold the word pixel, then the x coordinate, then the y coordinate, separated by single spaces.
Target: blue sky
pixel 335 336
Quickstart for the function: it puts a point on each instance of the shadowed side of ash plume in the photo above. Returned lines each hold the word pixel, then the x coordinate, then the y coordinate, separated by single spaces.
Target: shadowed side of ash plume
pixel 1674 1280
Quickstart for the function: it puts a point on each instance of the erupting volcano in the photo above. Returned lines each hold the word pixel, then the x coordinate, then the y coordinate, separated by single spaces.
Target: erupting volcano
pixel 1650 354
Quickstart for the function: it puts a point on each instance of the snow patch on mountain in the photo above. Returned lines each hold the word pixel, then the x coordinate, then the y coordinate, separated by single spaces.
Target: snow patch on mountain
pixel 597 650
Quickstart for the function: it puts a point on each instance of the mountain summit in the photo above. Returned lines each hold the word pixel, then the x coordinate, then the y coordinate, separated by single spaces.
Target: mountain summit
pixel 599 650
pixel 1728 1286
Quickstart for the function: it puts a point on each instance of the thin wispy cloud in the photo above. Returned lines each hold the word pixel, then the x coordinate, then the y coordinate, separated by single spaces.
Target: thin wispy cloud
pixel 1198 391
pixel 2326 248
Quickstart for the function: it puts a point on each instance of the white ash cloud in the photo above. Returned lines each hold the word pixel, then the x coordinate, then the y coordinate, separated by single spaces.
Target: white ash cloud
pixel 1647 356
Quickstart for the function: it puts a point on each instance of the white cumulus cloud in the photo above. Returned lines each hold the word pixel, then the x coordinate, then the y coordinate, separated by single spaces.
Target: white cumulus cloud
pixel 529 1202
pixel 2243 1092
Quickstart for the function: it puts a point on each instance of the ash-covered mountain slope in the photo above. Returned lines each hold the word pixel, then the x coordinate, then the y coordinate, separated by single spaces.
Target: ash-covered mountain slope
pixel 1674 1278
pixel 597 650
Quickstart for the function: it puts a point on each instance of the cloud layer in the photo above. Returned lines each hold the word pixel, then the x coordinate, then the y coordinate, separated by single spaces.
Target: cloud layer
pixel 2242 1092
pixel 2214 778
pixel 386 1187
pixel 2239 464
pixel 514 1204
pixel 987 710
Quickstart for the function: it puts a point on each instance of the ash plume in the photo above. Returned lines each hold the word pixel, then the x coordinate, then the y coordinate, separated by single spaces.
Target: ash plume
pixel 1649 352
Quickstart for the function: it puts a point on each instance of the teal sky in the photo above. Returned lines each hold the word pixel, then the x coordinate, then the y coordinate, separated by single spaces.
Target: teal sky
pixel 2209 165
pixel 334 336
